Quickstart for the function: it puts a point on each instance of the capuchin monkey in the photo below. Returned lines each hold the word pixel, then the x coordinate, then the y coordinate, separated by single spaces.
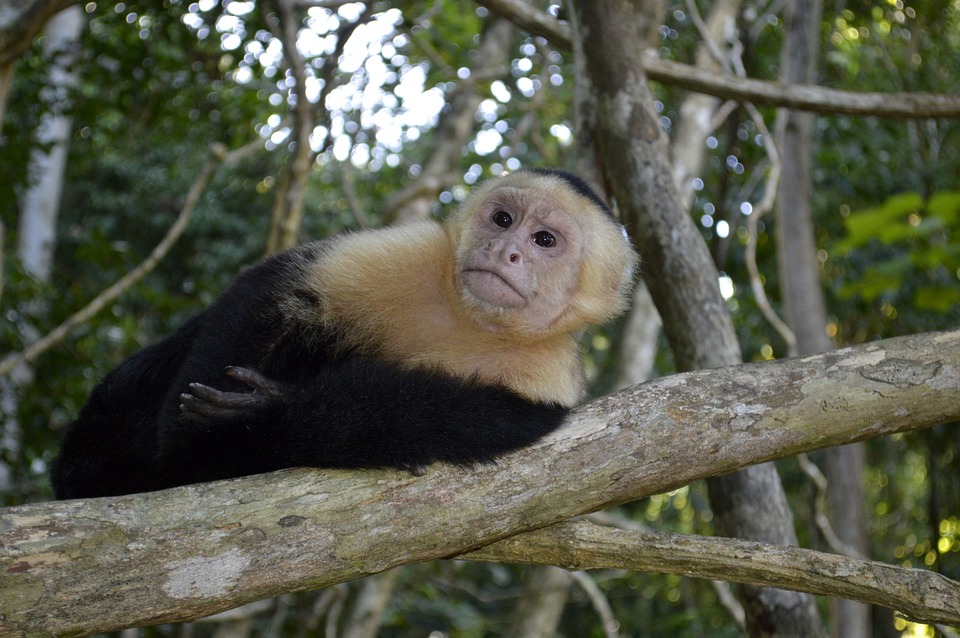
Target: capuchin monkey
pixel 396 347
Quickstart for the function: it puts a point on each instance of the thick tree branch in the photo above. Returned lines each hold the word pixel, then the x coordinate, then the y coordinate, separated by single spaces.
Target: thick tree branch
pixel 919 594
pixel 804 97
pixel 89 566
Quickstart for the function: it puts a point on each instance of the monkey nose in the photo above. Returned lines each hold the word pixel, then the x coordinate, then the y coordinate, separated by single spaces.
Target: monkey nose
pixel 515 258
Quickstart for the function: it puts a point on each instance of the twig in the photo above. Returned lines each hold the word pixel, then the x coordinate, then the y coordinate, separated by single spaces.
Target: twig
pixel 753 220
pixel 218 155
pixel 764 206
pixel 350 192
pixel 729 602
pixel 599 602
pixel 820 509
pixel 722 61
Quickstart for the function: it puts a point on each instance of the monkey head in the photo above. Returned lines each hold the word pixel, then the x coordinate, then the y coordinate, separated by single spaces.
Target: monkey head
pixel 537 254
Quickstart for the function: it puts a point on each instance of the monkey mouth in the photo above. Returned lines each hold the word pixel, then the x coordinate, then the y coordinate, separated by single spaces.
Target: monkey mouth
pixel 492 287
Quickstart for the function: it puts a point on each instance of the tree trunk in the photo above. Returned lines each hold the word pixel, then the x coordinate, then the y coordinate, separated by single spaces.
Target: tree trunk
pixel 48 159
pixel 638 346
pixel 799 274
pixel 6 81
pixel 372 599
pixel 41 203
pixel 539 610
pixel 632 147
pixel 796 245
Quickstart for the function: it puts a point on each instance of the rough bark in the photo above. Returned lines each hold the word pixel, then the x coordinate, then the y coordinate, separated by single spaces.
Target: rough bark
pixel 638 345
pixel 751 504
pixel 88 566
pixel 799 276
pixel 631 150
pixel 919 594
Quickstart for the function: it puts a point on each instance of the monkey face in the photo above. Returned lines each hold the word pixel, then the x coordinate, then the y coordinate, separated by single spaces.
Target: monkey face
pixel 519 256
pixel 536 257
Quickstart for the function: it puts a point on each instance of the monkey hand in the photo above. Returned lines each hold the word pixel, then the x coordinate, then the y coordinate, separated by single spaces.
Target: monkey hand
pixel 204 403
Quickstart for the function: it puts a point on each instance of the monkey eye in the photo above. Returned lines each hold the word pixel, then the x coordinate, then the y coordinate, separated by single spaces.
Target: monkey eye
pixel 544 239
pixel 503 219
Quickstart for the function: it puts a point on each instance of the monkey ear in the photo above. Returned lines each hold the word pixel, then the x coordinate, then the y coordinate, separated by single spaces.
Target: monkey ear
pixel 606 278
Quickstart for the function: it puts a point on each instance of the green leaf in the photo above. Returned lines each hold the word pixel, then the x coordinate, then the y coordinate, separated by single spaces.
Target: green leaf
pixel 886 223
pixel 945 205
pixel 938 299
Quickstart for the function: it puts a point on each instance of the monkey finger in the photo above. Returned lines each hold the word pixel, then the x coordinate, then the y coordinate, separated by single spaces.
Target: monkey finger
pixel 234 401
pixel 417 469
pixel 196 409
pixel 254 380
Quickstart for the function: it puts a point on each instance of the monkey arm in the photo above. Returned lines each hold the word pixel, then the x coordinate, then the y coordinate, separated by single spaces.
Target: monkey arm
pixel 369 414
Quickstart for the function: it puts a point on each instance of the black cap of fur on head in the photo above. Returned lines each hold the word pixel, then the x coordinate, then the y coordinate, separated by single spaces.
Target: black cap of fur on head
pixel 576 183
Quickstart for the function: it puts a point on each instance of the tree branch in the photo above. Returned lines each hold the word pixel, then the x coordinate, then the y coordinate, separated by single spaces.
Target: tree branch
pixel 919 594
pixel 804 97
pixel 21 21
pixel 90 566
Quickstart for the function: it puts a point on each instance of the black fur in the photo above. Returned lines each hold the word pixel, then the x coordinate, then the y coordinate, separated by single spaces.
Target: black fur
pixel 328 409
pixel 575 182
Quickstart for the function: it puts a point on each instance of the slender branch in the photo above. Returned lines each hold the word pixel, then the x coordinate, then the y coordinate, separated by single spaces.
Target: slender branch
pixel 803 97
pixel 599 602
pixel 712 47
pixel 820 509
pixel 919 594
pixel 734 64
pixel 218 155
pixel 764 206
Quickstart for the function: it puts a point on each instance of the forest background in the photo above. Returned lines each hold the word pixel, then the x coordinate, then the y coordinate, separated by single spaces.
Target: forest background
pixel 200 128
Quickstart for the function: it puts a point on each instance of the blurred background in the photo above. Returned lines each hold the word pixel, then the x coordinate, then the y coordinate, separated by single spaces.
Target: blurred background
pixel 326 116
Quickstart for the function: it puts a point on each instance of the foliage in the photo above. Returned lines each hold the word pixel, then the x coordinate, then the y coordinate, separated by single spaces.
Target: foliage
pixel 916 259
pixel 158 82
